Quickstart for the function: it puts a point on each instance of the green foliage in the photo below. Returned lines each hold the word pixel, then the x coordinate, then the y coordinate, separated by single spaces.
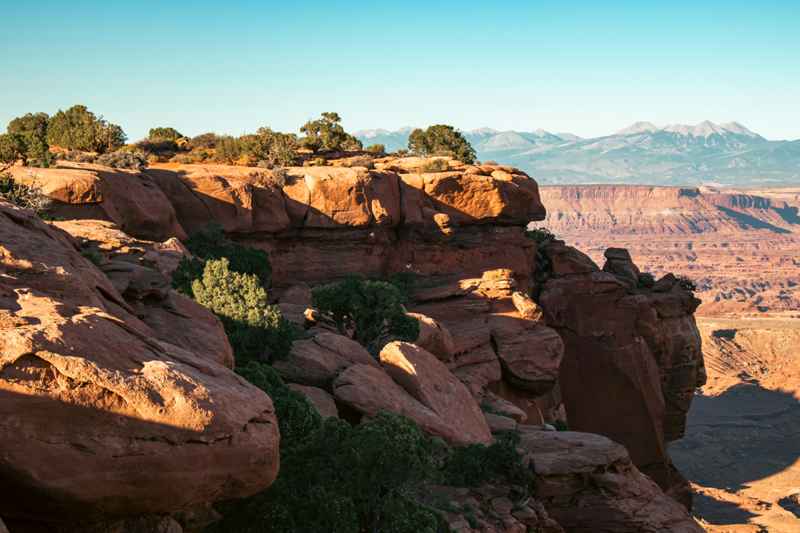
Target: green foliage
pixel 12 148
pixel 77 128
pixel 227 149
pixel 163 134
pixel 372 310
pixel 542 236
pixel 646 280
pixel 30 131
pixel 272 148
pixel 297 418
pixel 135 160
pixel 326 133
pixel 344 479
pixel 25 196
pixel 92 255
pixel 473 465
pixel 441 139
pixel 211 243
pixel 255 329
pixel 204 141
pixel 376 149
pixel 435 165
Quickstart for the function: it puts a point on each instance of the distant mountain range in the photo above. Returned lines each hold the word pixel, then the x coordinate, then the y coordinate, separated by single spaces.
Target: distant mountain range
pixel 677 154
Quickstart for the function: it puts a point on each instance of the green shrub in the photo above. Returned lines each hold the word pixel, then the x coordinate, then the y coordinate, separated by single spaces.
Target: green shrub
pixel 227 149
pixel 344 479
pixel 92 255
pixel 376 149
pixel 373 310
pixel 25 196
pixel 31 133
pixel 326 133
pixel 441 139
pixel 542 236
pixel 271 148
pixel 476 464
pixel 12 148
pixel 163 134
pixel 77 128
pixel 435 165
pixel 255 329
pixel 123 159
pixel 297 418
pixel 204 141
pixel 211 243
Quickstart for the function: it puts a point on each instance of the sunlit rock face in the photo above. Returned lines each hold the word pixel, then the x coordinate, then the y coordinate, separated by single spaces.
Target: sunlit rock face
pixel 100 415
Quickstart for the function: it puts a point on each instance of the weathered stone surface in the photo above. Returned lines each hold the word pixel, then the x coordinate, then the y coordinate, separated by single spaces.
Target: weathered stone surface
pixel 588 484
pixel 319 398
pixel 526 307
pixel 98 415
pixel 130 199
pixel 434 337
pixel 430 382
pixel 622 348
pixel 531 359
pixel 317 361
pixel 499 423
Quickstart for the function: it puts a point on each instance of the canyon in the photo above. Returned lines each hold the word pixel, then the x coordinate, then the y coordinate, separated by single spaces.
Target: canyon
pixel 741 248
pixel 516 333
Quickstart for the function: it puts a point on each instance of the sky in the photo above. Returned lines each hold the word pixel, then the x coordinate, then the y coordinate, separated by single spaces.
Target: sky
pixel 588 68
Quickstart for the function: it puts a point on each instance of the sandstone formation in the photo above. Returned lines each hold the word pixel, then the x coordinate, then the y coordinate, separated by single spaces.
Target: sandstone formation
pixel 512 332
pixel 588 485
pixel 741 247
pixel 100 414
pixel 632 357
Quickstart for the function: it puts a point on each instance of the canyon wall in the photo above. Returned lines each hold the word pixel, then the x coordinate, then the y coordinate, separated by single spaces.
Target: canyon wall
pixel 522 332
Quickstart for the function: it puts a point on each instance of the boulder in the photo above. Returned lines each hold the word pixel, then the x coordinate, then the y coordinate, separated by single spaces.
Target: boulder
pixel 531 359
pixel 317 361
pixel 526 307
pixel 587 483
pixel 98 416
pixel 429 381
pixel 434 337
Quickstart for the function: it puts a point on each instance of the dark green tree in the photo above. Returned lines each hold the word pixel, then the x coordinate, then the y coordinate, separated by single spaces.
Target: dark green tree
pixel 373 310
pixel 326 133
pixel 12 149
pixel 441 139
pixel 31 130
pixel 163 134
pixel 77 128
pixel 272 148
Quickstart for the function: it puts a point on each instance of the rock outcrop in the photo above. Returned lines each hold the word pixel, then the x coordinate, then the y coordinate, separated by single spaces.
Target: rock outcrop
pixel 632 357
pixel 513 331
pixel 101 415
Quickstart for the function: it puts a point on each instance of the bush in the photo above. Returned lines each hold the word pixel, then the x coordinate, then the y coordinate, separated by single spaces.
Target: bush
pixel 476 464
pixel 77 128
pixel 542 236
pixel 227 149
pixel 271 148
pixel 376 149
pixel 372 310
pixel 123 159
pixel 163 134
pixel 344 479
pixel 12 148
pixel 204 141
pixel 79 157
pixel 326 133
pixel 435 165
pixel 211 243
pixel 25 196
pixel 441 139
pixel 31 133
pixel 255 329
pixel 297 418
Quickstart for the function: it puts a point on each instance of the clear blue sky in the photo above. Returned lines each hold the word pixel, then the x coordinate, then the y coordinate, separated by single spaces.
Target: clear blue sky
pixel 584 67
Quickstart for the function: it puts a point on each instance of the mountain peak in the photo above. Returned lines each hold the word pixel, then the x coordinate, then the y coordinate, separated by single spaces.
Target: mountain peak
pixel 638 127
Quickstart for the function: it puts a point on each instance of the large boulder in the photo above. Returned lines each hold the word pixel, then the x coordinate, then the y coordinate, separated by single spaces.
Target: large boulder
pixel 588 484
pixel 98 415
pixel 429 381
